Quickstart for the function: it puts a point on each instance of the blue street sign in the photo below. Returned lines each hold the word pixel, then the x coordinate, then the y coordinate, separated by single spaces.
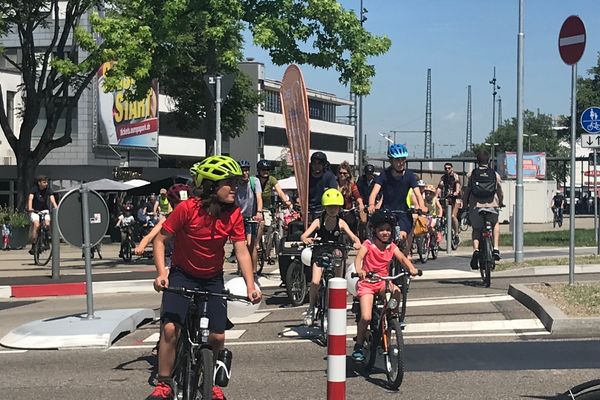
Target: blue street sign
pixel 590 120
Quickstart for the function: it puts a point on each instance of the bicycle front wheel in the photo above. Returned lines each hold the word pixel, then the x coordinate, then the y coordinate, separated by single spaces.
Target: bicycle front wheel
pixel 206 373
pixel 127 250
pixel 295 283
pixel 324 299
pixel 394 358
pixel 423 253
pixel 42 251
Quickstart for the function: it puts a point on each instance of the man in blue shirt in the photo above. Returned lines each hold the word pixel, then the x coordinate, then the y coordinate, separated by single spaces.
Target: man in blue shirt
pixel 394 184
pixel 320 179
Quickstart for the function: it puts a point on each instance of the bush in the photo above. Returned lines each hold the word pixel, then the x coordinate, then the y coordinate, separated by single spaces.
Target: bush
pixel 16 219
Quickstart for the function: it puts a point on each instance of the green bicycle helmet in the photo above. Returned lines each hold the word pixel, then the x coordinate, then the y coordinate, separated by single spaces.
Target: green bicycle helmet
pixel 215 168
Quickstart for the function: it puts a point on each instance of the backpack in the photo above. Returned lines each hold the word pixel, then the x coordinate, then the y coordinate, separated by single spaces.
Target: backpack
pixel 483 183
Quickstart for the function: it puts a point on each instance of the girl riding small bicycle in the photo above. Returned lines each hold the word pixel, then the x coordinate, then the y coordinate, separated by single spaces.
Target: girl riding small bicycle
pixel 328 228
pixel 375 257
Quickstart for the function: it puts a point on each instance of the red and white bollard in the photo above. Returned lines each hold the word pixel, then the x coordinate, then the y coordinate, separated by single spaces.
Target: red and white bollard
pixel 336 340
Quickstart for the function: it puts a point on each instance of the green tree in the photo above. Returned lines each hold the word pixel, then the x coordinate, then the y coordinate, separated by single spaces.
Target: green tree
pixel 544 140
pixel 54 75
pixel 202 37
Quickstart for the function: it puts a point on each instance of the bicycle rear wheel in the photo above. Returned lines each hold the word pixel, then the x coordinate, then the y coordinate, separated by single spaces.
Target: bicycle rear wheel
pixel 434 247
pixel 423 253
pixel 394 358
pixel 372 339
pixel 206 373
pixel 295 283
pixel 127 250
pixel 485 262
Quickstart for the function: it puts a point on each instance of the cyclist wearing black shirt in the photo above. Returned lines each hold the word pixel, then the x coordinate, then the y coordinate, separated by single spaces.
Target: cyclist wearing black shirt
pixel 449 189
pixel 40 198
pixel 320 179
pixel 558 203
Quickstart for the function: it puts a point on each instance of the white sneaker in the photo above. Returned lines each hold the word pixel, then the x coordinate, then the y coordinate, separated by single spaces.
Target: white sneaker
pixel 309 317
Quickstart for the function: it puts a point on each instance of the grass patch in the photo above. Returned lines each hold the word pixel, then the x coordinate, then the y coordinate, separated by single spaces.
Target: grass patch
pixel 579 300
pixel 583 238
pixel 536 262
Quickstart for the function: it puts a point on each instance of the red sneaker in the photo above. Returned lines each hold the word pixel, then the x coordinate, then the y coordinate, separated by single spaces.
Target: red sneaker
pixel 161 391
pixel 218 393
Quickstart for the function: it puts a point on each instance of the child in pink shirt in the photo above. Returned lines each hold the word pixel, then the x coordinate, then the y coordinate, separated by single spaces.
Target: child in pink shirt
pixel 375 257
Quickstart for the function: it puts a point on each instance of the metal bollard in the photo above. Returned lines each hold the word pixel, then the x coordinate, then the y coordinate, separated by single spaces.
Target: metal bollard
pixel 336 340
pixel 55 245
pixel 448 229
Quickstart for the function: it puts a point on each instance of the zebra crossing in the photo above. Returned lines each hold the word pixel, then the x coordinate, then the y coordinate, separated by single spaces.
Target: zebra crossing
pixel 283 324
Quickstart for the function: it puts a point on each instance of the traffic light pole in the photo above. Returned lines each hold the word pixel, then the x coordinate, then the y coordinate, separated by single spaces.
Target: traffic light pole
pixel 595 193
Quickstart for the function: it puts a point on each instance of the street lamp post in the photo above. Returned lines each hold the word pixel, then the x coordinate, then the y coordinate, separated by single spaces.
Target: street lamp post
pixel 495 89
pixel 492 151
pixel 529 139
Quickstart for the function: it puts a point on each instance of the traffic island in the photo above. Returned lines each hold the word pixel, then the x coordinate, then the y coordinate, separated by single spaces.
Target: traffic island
pixel 577 323
pixel 77 331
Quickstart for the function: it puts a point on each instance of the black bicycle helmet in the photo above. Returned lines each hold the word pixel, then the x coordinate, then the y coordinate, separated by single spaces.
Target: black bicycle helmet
pixel 263 164
pixel 244 163
pixel 382 216
pixel 318 156
pixel 369 169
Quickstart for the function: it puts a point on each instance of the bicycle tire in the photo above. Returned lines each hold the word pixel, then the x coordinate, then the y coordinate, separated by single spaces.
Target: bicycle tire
pixel 260 264
pixel 423 253
pixel 372 339
pixel 323 313
pixel 394 358
pixel 206 372
pixel 295 283
pixel 404 299
pixel 178 375
pixel 455 241
pixel 98 250
pixel 40 243
pixel 485 262
pixel 434 247
pixel 127 250
pixel 585 391
pixel 190 386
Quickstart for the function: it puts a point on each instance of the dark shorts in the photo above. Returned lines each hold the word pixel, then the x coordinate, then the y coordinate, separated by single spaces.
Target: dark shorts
pixel 251 227
pixel 405 222
pixel 175 307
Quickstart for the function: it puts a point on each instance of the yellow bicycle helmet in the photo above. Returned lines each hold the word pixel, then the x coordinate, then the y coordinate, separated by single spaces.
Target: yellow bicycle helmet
pixel 215 168
pixel 332 197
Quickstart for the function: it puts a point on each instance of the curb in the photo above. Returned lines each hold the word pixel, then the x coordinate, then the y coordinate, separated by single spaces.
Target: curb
pixel 553 319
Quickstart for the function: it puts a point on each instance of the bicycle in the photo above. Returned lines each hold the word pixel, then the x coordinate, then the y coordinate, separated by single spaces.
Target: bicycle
pixel 558 217
pixel 486 256
pixel 585 391
pixel 194 360
pixel 127 243
pixel 42 241
pixel 455 237
pixel 385 332
pixel 94 250
pixel 428 244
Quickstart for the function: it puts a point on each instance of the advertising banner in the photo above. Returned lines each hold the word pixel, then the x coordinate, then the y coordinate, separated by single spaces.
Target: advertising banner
pixel 124 122
pixel 294 103
pixel 534 165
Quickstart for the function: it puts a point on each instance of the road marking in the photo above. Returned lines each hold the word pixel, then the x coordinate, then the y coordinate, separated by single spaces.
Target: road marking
pixel 12 351
pixel 230 334
pixel 251 319
pixel 458 326
pixel 464 300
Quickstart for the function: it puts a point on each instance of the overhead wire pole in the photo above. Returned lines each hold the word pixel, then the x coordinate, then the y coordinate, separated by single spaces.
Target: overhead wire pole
pixel 360 102
pixel 469 140
pixel 495 89
pixel 427 151
pixel 519 192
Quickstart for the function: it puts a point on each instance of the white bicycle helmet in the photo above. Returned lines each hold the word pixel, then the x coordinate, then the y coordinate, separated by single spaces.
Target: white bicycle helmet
pixel 240 309
pixel 351 281
pixel 306 256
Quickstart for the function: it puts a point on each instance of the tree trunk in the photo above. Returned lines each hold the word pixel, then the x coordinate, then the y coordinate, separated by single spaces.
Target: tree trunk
pixel 26 169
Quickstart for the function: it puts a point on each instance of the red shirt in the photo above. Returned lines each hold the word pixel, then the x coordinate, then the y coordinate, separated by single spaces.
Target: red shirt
pixel 199 247
pixel 376 260
pixel 349 197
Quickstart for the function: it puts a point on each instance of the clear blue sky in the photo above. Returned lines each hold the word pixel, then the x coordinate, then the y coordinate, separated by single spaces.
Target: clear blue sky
pixel 461 41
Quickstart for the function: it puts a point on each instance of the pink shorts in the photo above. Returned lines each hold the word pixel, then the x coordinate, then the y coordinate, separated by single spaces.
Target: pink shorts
pixel 365 287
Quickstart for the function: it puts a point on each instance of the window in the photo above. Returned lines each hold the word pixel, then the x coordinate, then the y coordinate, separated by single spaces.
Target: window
pixel 272 102
pixel 38 130
pixel 318 141
pixel 10 108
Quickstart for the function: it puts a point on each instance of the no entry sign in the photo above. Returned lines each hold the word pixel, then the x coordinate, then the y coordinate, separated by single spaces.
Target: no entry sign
pixel 571 40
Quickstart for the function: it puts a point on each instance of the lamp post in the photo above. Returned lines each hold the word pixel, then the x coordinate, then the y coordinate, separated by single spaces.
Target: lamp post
pixel 529 139
pixel 495 89
pixel 492 151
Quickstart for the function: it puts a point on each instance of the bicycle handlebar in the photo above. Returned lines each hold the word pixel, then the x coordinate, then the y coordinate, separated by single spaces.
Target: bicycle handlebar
pixel 374 277
pixel 226 295
pixel 319 242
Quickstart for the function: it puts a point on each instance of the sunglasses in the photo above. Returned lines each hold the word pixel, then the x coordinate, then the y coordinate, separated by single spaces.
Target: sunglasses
pixel 344 173
pixel 447 168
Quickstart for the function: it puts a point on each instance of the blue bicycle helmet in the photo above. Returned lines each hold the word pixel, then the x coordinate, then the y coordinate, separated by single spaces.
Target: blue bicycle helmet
pixel 397 151
pixel 244 163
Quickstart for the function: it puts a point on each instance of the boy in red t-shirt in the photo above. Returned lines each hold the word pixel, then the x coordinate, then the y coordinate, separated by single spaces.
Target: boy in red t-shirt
pixel 375 257
pixel 201 227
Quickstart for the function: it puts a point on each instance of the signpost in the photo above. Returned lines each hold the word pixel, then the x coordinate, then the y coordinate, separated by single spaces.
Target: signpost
pixel 219 86
pixel 82 220
pixel 571 44
pixel 590 122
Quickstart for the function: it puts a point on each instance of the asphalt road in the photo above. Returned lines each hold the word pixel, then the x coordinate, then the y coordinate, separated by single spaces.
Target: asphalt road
pixel 463 341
